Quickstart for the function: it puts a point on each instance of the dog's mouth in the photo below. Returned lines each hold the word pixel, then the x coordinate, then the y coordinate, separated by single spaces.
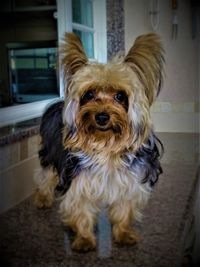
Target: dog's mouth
pixel 103 129
pixel 115 129
pixel 95 128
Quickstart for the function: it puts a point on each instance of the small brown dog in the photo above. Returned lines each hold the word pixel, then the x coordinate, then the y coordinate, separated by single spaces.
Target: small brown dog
pixel 99 145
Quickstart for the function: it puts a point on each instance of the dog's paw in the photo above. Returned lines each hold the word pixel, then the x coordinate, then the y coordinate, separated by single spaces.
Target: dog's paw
pixel 82 244
pixel 42 201
pixel 128 237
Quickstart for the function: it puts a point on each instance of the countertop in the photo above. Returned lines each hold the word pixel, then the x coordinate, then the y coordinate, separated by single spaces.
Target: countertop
pixel 16 132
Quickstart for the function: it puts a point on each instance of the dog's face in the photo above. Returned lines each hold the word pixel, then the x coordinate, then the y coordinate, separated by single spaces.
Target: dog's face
pixel 107 106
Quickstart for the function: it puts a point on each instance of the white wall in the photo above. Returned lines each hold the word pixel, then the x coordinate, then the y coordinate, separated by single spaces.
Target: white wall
pixel 177 109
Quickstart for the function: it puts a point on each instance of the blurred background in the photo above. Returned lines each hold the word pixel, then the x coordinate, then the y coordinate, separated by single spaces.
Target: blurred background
pixel 30 78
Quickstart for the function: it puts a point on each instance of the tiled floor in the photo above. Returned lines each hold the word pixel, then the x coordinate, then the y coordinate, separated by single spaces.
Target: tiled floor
pixel 31 237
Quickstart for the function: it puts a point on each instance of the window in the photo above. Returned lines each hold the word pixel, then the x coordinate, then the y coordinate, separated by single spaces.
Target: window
pixel 87 18
pixel 82 24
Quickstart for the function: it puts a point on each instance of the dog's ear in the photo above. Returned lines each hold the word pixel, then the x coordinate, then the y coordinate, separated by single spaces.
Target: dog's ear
pixel 146 58
pixel 72 55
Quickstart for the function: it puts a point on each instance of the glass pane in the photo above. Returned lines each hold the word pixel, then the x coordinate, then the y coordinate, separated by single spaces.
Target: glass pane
pixel 82 12
pixel 41 63
pixel 87 39
pixel 25 63
pixel 33 74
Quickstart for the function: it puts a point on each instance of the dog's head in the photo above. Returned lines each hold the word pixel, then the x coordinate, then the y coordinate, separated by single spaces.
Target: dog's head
pixel 107 106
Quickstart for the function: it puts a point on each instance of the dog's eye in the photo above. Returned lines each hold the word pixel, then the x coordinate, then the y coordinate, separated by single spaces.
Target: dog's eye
pixel 120 96
pixel 89 95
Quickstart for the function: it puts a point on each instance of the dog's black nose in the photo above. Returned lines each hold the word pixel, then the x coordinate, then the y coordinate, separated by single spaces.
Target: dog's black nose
pixel 102 118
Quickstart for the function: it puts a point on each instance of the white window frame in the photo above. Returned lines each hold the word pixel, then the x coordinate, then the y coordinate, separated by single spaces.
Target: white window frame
pixel 15 114
pixel 65 24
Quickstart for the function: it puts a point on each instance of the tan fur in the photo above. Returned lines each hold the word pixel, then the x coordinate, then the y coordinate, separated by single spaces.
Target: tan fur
pixel 108 181
pixel 100 140
pixel 80 215
pixel 121 216
pixel 73 56
pixel 44 195
pixel 146 59
pixel 116 76
pixel 82 202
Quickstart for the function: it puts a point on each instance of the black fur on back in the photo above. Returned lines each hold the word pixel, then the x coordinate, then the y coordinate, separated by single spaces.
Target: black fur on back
pixel 52 152
pixel 148 157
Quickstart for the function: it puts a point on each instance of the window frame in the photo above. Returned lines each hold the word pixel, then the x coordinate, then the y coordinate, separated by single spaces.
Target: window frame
pixel 14 114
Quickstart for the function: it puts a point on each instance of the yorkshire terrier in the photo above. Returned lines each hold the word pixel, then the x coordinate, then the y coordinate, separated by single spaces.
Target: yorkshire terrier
pixel 98 145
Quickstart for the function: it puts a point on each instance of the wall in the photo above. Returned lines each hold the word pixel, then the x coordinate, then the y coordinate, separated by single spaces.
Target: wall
pixel 18 162
pixel 177 107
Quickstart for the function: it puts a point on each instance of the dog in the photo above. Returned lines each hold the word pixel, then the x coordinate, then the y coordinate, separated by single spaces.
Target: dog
pixel 98 146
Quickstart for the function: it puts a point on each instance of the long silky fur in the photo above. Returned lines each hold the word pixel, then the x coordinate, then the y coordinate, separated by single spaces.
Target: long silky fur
pixel 52 152
pixel 146 58
pixel 144 164
pixel 115 166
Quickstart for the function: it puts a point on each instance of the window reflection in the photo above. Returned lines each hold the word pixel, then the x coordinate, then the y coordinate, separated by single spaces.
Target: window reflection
pixel 33 74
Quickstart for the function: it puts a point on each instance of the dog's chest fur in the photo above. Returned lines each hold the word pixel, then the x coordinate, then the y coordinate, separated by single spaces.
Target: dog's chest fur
pixel 107 179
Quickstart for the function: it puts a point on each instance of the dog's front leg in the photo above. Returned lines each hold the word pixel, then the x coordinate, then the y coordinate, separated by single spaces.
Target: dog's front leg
pixel 121 217
pixel 80 215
